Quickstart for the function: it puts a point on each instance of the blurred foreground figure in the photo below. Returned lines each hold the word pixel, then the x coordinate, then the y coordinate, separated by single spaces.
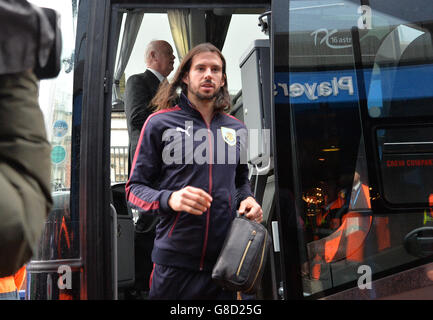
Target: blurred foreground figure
pixel 29 49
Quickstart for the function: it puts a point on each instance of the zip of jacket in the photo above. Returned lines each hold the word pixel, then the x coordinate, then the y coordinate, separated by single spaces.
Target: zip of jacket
pixel 203 253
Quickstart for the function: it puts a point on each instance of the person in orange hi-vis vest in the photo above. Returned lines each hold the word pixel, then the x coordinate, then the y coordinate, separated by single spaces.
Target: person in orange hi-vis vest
pixel 336 209
pixel 348 241
pixel 356 230
pixel 361 200
pixel 9 286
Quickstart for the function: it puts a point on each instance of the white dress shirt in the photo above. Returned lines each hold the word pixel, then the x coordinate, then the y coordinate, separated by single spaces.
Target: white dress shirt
pixel 157 74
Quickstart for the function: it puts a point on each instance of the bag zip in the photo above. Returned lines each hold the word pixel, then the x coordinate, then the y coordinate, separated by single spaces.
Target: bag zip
pixel 253 233
pixel 261 263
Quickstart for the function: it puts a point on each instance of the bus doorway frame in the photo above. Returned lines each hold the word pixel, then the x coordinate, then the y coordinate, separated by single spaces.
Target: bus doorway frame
pixel 92 93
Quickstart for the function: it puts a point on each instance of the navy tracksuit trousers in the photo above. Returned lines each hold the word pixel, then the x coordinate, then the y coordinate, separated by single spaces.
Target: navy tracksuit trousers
pixel 172 283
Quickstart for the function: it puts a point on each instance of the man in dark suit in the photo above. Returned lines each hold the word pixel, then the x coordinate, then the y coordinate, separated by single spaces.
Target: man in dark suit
pixel 140 89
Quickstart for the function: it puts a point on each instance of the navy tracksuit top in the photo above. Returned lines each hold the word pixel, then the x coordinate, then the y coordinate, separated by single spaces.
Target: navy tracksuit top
pixel 177 148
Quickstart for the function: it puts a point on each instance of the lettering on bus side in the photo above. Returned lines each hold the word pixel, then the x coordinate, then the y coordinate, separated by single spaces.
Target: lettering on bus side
pixel 409 163
pixel 312 91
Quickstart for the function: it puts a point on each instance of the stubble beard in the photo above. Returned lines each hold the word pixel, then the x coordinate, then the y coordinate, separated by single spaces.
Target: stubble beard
pixel 203 97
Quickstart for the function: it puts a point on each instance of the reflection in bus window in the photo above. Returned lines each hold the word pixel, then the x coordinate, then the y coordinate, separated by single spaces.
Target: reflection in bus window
pixel 396 67
pixel 60 237
pixel 55 97
pixel 338 226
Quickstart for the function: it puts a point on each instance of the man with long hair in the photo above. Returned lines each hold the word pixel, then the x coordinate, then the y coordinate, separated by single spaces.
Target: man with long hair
pixel 139 91
pixel 188 169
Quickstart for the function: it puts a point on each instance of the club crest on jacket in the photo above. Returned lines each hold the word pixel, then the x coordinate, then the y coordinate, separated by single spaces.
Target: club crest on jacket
pixel 229 136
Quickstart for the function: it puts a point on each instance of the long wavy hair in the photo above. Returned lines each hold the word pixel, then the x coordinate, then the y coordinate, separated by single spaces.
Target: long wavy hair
pixel 167 95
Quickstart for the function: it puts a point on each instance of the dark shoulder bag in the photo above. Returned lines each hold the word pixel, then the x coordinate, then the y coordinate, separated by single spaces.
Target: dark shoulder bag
pixel 242 259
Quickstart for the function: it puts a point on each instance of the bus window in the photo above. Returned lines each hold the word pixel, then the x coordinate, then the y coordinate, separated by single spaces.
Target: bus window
pixel 405 152
pixel 55 98
pixel 138 23
pixel 401 59
pixel 318 91
pixel 60 239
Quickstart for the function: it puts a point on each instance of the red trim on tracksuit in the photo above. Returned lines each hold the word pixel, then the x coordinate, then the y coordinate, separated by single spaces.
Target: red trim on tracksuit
pixel 143 204
pixel 151 276
pixel 174 223
pixel 131 196
pixel 234 118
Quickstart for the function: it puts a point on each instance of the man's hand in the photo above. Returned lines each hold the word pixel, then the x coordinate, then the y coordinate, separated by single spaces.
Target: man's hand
pixel 190 199
pixel 251 209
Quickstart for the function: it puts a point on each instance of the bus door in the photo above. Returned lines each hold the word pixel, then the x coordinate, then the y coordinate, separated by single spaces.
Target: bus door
pixel 74 260
pixel 230 26
pixel 56 270
pixel 353 147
